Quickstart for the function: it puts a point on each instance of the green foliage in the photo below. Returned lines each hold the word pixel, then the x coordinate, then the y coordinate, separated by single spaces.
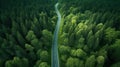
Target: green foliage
pixel 44 55
pixel 81 42
pixel 70 62
pixel 100 61
pixel 114 50
pixel 47 34
pixel 19 51
pixel 74 62
pixel 44 64
pixel 47 38
pixel 1 63
pixel 64 49
pixel 30 36
pixel 9 64
pixel 17 62
pixel 20 38
pixel 21 31
pixel 103 52
pixel 24 29
pixel 116 65
pixel 90 62
pixel 35 42
pixel 89 31
pixel 63 39
pixel 37 63
pixel 80 53
pixel 99 26
pixel 111 35
pixel 29 47
pixel 89 34
pixel 73 52
pixel 63 58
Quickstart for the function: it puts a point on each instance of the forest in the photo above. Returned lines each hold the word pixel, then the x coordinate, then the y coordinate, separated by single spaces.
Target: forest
pixel 89 34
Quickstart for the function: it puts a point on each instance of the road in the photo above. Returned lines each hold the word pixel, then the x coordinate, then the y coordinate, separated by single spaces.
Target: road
pixel 54 55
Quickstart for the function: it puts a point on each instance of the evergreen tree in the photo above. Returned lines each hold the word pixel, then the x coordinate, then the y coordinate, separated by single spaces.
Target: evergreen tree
pixel 90 62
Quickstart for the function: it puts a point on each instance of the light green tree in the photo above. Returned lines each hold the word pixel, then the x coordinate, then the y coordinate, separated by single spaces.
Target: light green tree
pixel 17 62
pixel 64 49
pixel 63 58
pixel 29 47
pixel 73 52
pixel 44 55
pixel 30 35
pixel 74 62
pixel 36 44
pixel 99 26
pixel 9 63
pixel 111 34
pixel 70 62
pixel 46 37
pixel 80 53
pixel 81 42
pixel 100 61
pixel 90 62
pixel 44 64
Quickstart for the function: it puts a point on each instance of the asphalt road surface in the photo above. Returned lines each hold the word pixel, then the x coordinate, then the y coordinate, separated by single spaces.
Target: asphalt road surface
pixel 54 55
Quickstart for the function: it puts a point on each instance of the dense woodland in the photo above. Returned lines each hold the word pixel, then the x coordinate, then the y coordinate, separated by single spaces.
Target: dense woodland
pixel 89 35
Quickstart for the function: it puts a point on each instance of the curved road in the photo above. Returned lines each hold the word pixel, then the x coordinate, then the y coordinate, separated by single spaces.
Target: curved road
pixel 55 56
